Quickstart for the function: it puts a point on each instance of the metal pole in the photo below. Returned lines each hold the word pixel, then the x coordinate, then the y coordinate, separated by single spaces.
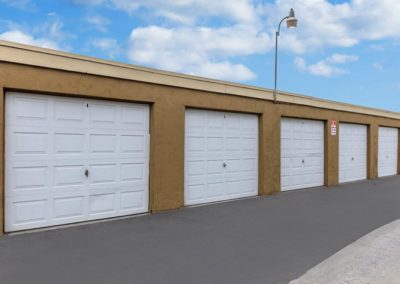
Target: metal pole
pixel 276 57
pixel 276 64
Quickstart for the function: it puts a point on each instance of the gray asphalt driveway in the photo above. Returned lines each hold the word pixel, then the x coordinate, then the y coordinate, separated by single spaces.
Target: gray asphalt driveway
pixel 270 239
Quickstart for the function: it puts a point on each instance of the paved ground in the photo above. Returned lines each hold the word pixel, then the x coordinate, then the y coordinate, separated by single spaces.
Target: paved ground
pixel 373 259
pixel 258 240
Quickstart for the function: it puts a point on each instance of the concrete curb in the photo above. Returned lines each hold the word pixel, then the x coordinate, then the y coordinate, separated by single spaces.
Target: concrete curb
pixel 374 258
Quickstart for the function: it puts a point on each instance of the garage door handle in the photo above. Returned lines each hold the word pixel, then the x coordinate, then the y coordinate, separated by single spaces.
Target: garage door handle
pixel 224 164
pixel 303 161
pixel 87 173
pixel 352 158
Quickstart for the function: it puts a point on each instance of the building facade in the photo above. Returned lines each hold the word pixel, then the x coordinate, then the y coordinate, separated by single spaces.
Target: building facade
pixel 86 139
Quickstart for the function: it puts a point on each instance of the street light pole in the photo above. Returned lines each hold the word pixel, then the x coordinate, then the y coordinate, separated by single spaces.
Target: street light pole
pixel 291 23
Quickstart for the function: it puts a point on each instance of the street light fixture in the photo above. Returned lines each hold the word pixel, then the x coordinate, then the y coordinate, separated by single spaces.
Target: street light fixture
pixel 291 23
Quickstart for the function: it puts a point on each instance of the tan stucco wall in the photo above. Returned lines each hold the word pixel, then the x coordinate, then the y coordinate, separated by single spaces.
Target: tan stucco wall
pixel 167 122
pixel 1 160
pixel 398 160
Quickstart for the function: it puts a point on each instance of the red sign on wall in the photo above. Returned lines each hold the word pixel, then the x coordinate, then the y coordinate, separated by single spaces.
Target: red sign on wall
pixel 333 127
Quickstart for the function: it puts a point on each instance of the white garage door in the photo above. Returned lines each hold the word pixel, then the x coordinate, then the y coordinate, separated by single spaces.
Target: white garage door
pixel 70 160
pixel 387 151
pixel 302 153
pixel 352 152
pixel 221 156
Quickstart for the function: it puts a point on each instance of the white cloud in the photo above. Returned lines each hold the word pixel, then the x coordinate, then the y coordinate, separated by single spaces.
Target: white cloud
pixel 190 11
pixel 300 63
pixel 21 37
pixel 322 68
pixel 88 2
pixel 322 23
pixel 108 45
pixel 342 58
pixel 195 50
pixel 378 65
pixel 53 28
pixel 326 67
pixel 188 38
pixel 99 22
pixel 223 70
pixel 20 4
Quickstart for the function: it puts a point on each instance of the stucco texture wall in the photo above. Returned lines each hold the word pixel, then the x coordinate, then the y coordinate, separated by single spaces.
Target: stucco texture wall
pixel 167 123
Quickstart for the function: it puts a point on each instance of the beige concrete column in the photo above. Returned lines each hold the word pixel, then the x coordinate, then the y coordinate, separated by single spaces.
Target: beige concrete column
pixel 398 155
pixel 167 155
pixel 372 151
pixel 2 213
pixel 331 153
pixel 270 148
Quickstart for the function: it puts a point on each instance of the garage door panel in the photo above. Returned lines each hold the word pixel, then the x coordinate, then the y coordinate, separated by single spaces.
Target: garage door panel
pixel 302 153
pixel 195 193
pixel 312 179
pixel 219 147
pixel 234 166
pixel 249 123
pixel 69 207
pixel 68 112
pixel 28 142
pixel 45 169
pixel 215 143
pixel 26 109
pixel 30 211
pixel 195 120
pixel 29 178
pixel 102 115
pixel 102 204
pixel 133 201
pixel 69 175
pixel 248 185
pixel 133 172
pixel 233 122
pixel 214 167
pixel 134 143
pixel 69 143
pixel 195 145
pixel 215 122
pixel 195 168
pixel 234 188
pixel 134 117
pixel 103 143
pixel 249 165
pixel 233 144
pixel 102 173
pixel 215 189
pixel 240 176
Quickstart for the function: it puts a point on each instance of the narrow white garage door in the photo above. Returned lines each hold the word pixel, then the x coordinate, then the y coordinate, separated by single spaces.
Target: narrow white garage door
pixel 302 153
pixel 221 156
pixel 71 160
pixel 387 151
pixel 352 152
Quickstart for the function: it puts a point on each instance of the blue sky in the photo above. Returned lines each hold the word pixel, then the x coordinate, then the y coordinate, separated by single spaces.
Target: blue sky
pixel 342 50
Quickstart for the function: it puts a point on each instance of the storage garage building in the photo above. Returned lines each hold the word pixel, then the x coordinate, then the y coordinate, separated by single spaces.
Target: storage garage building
pixel 88 139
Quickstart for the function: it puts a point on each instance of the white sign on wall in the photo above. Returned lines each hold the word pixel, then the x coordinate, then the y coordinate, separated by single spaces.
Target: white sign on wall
pixel 333 127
